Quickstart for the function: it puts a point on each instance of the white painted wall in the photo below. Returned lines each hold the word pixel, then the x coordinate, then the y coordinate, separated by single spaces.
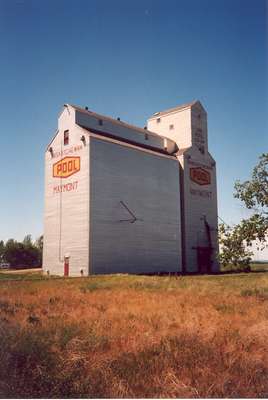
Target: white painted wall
pixel 84 222
pixel 181 122
pixel 66 220
pixel 260 251
pixel 190 133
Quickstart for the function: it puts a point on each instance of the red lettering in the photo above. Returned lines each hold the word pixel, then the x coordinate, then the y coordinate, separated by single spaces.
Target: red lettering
pixel 67 187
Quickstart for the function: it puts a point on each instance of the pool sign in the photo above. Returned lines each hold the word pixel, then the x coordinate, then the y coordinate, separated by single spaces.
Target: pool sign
pixel 200 176
pixel 66 167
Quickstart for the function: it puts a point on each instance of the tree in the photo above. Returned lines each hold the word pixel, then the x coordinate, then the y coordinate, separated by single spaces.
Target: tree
pixel 233 250
pixel 11 252
pixel 39 242
pixel 23 254
pixel 27 241
pixel 39 245
pixel 254 194
pixel 2 250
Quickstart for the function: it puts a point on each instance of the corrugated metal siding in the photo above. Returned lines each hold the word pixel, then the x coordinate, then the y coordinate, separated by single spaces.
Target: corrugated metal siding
pixel 149 186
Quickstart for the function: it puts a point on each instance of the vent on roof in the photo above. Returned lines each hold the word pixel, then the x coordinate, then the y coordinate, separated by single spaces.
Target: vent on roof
pixel 157 113
pixel 118 119
pixel 86 108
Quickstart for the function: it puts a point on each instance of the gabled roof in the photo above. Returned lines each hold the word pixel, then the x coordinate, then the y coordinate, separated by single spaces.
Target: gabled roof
pixel 114 121
pixel 119 130
pixel 178 108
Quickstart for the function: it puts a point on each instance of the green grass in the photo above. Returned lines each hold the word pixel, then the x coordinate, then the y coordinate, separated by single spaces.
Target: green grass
pixel 226 282
pixel 259 267
pixel 21 277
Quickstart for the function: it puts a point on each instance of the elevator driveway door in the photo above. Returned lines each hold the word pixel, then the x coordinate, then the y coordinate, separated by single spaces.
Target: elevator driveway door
pixel 204 259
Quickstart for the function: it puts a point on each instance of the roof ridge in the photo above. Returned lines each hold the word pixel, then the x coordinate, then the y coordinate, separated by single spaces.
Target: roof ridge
pixel 169 110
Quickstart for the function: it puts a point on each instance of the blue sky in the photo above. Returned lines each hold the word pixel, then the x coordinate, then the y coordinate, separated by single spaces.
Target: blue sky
pixel 128 59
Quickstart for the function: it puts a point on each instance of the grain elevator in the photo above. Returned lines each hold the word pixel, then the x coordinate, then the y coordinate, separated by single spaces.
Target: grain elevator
pixel 122 199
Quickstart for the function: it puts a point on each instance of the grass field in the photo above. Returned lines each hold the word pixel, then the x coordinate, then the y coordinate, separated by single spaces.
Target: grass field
pixel 134 336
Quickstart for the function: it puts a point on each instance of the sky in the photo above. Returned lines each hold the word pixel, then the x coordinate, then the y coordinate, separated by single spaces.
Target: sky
pixel 128 58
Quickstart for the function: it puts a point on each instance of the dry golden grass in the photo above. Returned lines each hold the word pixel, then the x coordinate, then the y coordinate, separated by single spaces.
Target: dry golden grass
pixel 129 336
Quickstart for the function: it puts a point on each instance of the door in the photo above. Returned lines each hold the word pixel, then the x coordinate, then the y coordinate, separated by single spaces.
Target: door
pixel 66 266
pixel 204 259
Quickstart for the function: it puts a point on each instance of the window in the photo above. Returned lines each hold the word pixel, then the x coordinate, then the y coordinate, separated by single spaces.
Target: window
pixel 66 138
pixel 158 120
pixel 171 127
pixel 100 122
pixel 146 136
